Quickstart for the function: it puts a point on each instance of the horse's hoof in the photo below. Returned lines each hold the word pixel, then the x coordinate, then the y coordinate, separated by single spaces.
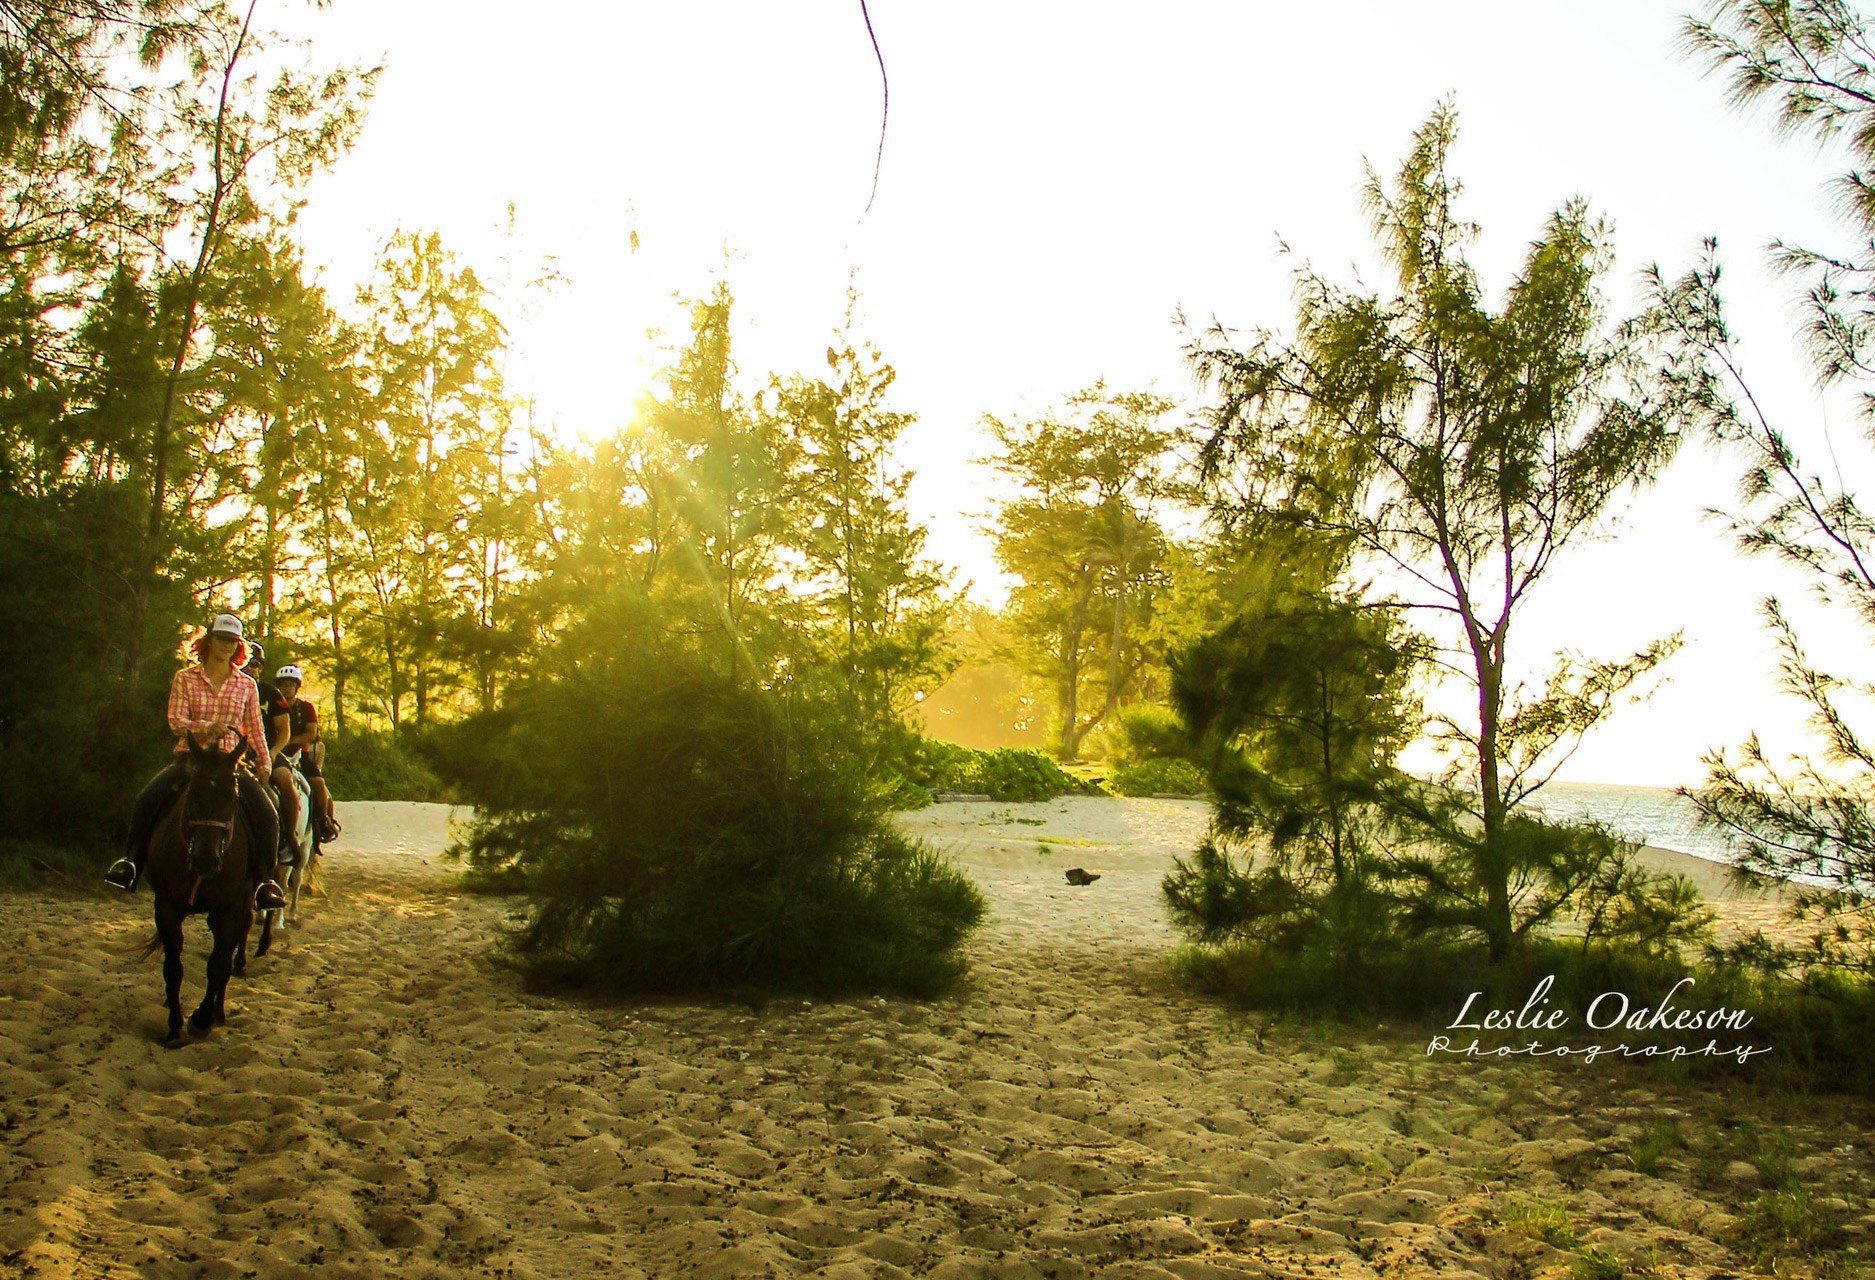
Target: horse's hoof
pixel 175 1041
pixel 201 1026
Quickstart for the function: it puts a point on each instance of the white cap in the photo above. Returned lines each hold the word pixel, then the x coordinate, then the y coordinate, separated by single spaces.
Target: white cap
pixel 289 672
pixel 225 624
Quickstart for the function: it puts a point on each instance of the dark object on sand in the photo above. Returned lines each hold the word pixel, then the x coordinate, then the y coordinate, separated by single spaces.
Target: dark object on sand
pixel 1080 875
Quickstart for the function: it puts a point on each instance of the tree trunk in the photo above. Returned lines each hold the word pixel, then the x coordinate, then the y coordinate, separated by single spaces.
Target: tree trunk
pixel 1070 690
pixel 1492 860
pixel 145 581
pixel 332 602
pixel 269 551
pixel 338 673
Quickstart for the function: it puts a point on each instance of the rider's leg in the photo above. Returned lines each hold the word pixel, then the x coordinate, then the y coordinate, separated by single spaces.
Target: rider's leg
pixel 312 760
pixel 263 826
pixel 149 803
pixel 322 809
pixel 289 804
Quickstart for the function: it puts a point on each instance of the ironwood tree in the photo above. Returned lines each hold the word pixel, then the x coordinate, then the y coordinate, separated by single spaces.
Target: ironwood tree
pixel 1083 540
pixel 1461 449
pixel 1811 63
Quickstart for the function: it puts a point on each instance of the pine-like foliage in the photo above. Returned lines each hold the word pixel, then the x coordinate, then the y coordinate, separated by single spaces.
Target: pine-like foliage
pixel 1302 705
pixel 1812 63
pixel 1461 448
pixel 680 829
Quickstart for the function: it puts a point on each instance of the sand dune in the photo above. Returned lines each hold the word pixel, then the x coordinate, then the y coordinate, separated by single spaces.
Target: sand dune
pixel 385 1101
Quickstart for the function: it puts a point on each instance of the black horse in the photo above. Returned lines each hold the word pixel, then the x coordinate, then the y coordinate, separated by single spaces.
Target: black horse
pixel 198 865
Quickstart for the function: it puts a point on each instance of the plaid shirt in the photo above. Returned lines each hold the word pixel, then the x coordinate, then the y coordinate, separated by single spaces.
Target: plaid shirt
pixel 194 703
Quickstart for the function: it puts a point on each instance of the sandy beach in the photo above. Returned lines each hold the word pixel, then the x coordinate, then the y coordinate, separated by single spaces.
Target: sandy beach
pixel 386 1101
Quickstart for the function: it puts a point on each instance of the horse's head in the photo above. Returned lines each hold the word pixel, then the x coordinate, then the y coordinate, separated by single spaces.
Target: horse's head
pixel 209 804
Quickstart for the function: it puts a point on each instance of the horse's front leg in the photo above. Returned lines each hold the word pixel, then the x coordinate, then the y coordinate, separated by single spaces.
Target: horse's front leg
pixel 230 928
pixel 169 932
pixel 240 950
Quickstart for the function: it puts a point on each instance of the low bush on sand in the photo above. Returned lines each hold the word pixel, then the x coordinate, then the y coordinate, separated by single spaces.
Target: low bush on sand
pixel 1160 776
pixel 680 830
pixel 1007 773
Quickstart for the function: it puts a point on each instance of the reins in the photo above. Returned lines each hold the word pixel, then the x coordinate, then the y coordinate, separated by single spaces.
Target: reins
pixel 186 825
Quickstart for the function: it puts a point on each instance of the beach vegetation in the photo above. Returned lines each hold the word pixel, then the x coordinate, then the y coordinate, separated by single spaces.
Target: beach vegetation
pixel 1460 450
pixel 1083 538
pixel 988 698
pixel 723 840
pixel 1158 776
pixel 1808 815
pixel 1656 1141
pixel 1148 731
pixel 146 174
pixel 1349 1064
pixel 39 865
pixel 875 604
pixel 1787 1219
pixel 1301 705
pixel 1005 773
pixel 381 764
pixel 1596 1263
pixel 692 779
pixel 1539 1219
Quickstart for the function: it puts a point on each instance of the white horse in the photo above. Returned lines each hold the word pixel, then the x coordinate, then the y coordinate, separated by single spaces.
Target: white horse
pixel 298 849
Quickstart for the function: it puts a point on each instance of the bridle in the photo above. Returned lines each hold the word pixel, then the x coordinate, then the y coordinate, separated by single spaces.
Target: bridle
pixel 186 827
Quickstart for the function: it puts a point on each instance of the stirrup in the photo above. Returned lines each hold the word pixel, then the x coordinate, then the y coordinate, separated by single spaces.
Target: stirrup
pixel 328 829
pixel 267 896
pixel 123 874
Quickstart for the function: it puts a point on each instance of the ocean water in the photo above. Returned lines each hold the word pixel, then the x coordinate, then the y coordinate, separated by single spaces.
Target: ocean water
pixel 1650 815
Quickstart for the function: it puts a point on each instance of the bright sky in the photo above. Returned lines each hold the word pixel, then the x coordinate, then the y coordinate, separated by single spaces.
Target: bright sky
pixel 1058 181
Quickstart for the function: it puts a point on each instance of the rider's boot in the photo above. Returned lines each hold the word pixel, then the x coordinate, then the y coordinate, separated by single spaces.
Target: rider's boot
pixel 127 870
pixel 268 896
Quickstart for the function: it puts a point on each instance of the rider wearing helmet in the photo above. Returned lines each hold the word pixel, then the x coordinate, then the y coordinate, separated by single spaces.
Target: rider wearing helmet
pixel 274 714
pixel 211 701
pixel 304 747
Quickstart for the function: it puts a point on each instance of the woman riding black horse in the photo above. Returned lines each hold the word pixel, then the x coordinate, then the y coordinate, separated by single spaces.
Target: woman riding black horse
pixel 218 705
pixel 199 865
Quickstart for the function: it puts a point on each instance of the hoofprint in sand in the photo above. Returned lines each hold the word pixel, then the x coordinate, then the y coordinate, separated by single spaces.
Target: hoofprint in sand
pixel 385 1101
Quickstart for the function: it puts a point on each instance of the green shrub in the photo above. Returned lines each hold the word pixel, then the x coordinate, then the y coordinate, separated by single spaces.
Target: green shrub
pixel 725 837
pixel 1007 773
pixel 367 764
pixel 76 745
pixel 29 864
pixel 1158 777
pixel 1019 773
pixel 1145 731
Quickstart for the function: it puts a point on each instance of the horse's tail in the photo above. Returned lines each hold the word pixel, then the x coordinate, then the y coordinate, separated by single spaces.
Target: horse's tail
pixel 155 945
